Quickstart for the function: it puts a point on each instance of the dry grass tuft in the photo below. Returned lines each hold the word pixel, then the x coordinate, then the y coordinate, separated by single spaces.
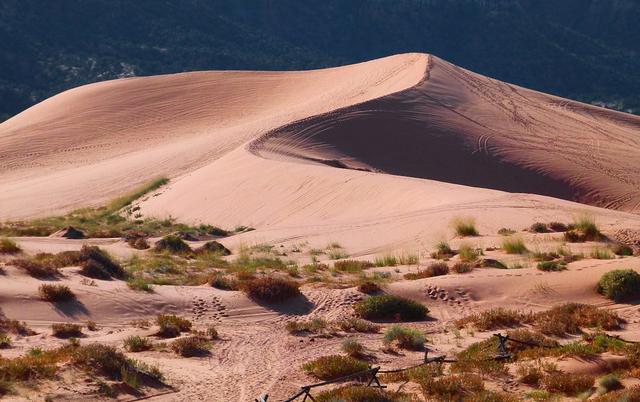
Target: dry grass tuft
pixel 271 290
pixel 334 366
pixel 8 246
pixel 465 226
pixel 55 293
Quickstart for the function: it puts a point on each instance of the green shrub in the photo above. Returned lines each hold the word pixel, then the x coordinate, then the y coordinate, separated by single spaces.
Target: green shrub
pixel 619 284
pixel 583 229
pixel 334 366
pixel 66 330
pixel 357 325
pixel 55 293
pixel 98 264
pixel 465 226
pixel 352 265
pixel 539 227
pixel 443 251
pixel 406 338
pixel 622 250
pixel 172 325
pixel 136 343
pixel 599 253
pixel 8 246
pixel 271 289
pixel 468 253
pixel 568 384
pixel 552 266
pixel 172 244
pixel 514 245
pixel 191 346
pixel 386 261
pixel 139 284
pixel 391 307
pixel 352 347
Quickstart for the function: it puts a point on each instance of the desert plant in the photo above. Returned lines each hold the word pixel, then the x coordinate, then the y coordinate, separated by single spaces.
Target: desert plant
pixel 351 265
pixel 443 251
pixel 529 374
pixel 334 366
pixel 357 325
pixel 139 243
pixel 352 347
pixel 270 289
pixel 493 319
pixel 213 247
pixel 569 318
pixel 622 250
pixel 567 384
pixel 135 343
pixel 35 268
pixel 315 326
pixel 191 346
pixel 369 287
pixel 98 264
pixel 558 227
pixel 468 253
pixel 5 341
pixel 212 332
pixel 55 293
pixel 9 246
pixel 164 320
pixel 391 307
pixel 619 284
pixel 172 244
pixel 453 387
pixel 386 261
pixel 600 253
pixel 583 229
pixel 406 338
pixel 435 269
pixel 219 281
pixel 360 393
pixel 552 266
pixel 514 245
pixel 66 330
pixel 92 326
pixel 139 284
pixel 465 226
pixel 506 232
pixel 462 267
pixel 539 227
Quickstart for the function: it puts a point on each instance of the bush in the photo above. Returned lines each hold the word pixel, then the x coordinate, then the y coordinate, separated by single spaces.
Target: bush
pixel 452 387
pixel 558 227
pixel 599 253
pixel 92 326
pixel 391 307
pixel 172 244
pixel 191 346
pixel 334 366
pixel 271 289
pixel 98 264
pixel 462 267
pixel 435 269
pixel 55 293
pixel 465 226
pixel 406 338
pixel 622 250
pixel 386 261
pixel 66 330
pixel 213 247
pixel 443 251
pixel 628 395
pixel 172 325
pixel 139 243
pixel 352 265
pixel 139 284
pixel 552 266
pixel 539 227
pixel 359 393
pixel 506 232
pixel 568 384
pixel 35 269
pixel 369 287
pixel 357 325
pixel 569 318
pixel 619 284
pixel 493 319
pixel 106 360
pixel 583 229
pixel 136 343
pixel 610 382
pixel 314 326
pixel 219 281
pixel 514 245
pixel 468 253
pixel 8 246
pixel 5 341
pixel 212 332
pixel 352 347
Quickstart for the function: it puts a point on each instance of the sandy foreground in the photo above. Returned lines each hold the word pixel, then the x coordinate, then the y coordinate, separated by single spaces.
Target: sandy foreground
pixel 378 157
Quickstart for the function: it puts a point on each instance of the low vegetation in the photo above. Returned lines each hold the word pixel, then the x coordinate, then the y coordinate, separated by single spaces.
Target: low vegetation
pixel 493 319
pixel 467 253
pixel 172 325
pixel 443 251
pixel 352 347
pixel 191 346
pixel 352 265
pixel 465 226
pixel 357 325
pixel 66 330
pixel 619 285
pixel 8 246
pixel 172 244
pixel 98 264
pixel 136 343
pixel 315 326
pixel 514 245
pixel 462 267
pixel 270 289
pixel 56 293
pixel 369 287
pixel 35 269
pixel 334 366
pixel 360 393
pixel 552 266
pixel 404 337
pixel 391 307
pixel 435 269
pixel 583 229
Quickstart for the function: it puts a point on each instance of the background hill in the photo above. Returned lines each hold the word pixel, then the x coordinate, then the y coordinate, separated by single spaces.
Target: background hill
pixel 586 50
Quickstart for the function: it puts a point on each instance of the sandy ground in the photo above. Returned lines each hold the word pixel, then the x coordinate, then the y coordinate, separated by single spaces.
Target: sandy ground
pixel 378 156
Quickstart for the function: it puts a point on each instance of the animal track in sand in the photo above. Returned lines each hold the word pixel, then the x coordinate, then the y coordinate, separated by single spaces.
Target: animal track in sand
pixel 208 310
pixel 460 297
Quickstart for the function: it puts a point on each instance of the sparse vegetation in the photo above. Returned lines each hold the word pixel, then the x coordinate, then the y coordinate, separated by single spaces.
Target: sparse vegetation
pixel 92 326
pixel 269 289
pixel 600 253
pixel 468 253
pixel 465 226
pixel 567 384
pixel 55 293
pixel 139 284
pixel 391 307
pixel 5 341
pixel 334 366
pixel 136 343
pixel 493 319
pixel 352 265
pixel 506 232
pixel 569 318
pixel 66 330
pixel 191 346
pixel 514 245
pixel 552 266
pixel 359 393
pixel 443 251
pixel 98 264
pixel 172 325
pixel 405 337
pixel 172 244
pixel 462 267
pixel 358 325
pixel 386 261
pixel 8 246
pixel 583 229
pixel 35 269
pixel 352 347
pixel 558 227
pixel 314 326
pixel 369 287
pixel 622 250
pixel 435 269
pixel 619 285
pixel 539 227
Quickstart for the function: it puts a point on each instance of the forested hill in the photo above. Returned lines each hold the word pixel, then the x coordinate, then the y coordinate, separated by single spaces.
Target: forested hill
pixel 587 50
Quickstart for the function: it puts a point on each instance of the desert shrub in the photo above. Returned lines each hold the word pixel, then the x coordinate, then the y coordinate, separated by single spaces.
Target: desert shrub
pixel 619 284
pixel 92 326
pixel 443 251
pixel 139 243
pixel 106 360
pixel 610 382
pixel 468 253
pixel 462 267
pixel 213 247
pixel 8 246
pixel 435 269
pixel 452 387
pixel 271 289
pixel 5 341
pixel 408 259
pixel 172 244
pixel 490 263
pixel 55 293
pixel 558 227
pixel 359 393
pixel 600 253
pixel 352 265
pixel 492 319
pixel 390 307
pixel 406 338
pixel 66 330
pixel 514 245
pixel 220 281
pixel 583 229
pixel 506 232
pixel 386 261
pixel 539 227
pixel 531 337
pixel 369 287
pixel 191 346
pixel 314 326
pixel 357 325
pixel 172 325
pixel 99 263
pixel 552 266
pixel 334 366
pixel 622 250
pixel 628 395
pixel 567 384
pixel 139 284
pixel 35 268
pixel 465 226
pixel 352 347
pixel 569 318
pixel 212 332
pixel 15 327
pixel 136 343
pixel 529 374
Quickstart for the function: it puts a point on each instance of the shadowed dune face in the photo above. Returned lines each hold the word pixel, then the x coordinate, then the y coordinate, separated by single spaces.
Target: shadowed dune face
pixel 459 127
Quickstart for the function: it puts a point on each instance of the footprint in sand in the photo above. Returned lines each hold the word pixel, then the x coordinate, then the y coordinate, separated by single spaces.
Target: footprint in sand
pixel 211 310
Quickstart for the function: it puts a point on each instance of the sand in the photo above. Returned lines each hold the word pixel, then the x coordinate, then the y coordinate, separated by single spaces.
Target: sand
pixel 378 156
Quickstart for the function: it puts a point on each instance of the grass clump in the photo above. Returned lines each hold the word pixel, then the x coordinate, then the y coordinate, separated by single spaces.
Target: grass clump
pixel 66 330
pixel 443 251
pixel 465 226
pixel 453 387
pixel 569 318
pixel 352 265
pixel 136 343
pixel 213 247
pixel 435 269
pixel 552 266
pixel 506 232
pixel 334 366
pixel 5 341
pixel 369 287
pixel 172 244
pixel 619 285
pixel 357 325
pixel 404 337
pixel 514 245
pixel 391 307
pixel 622 250
pixel 221 282
pixel 268 289
pixel 359 393
pixel 493 319
pixel 386 261
pixel 55 293
pixel 468 253
pixel 462 267
pixel 8 246
pixel 191 346
pixel 172 325
pixel 539 227
pixel 314 326
pixel 352 347
pixel 139 284
pixel 583 229
pixel 35 269
pixel 98 264
pixel 600 253
pixel 570 385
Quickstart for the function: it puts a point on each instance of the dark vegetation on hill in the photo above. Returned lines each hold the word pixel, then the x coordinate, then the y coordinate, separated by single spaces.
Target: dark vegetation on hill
pixel 582 49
